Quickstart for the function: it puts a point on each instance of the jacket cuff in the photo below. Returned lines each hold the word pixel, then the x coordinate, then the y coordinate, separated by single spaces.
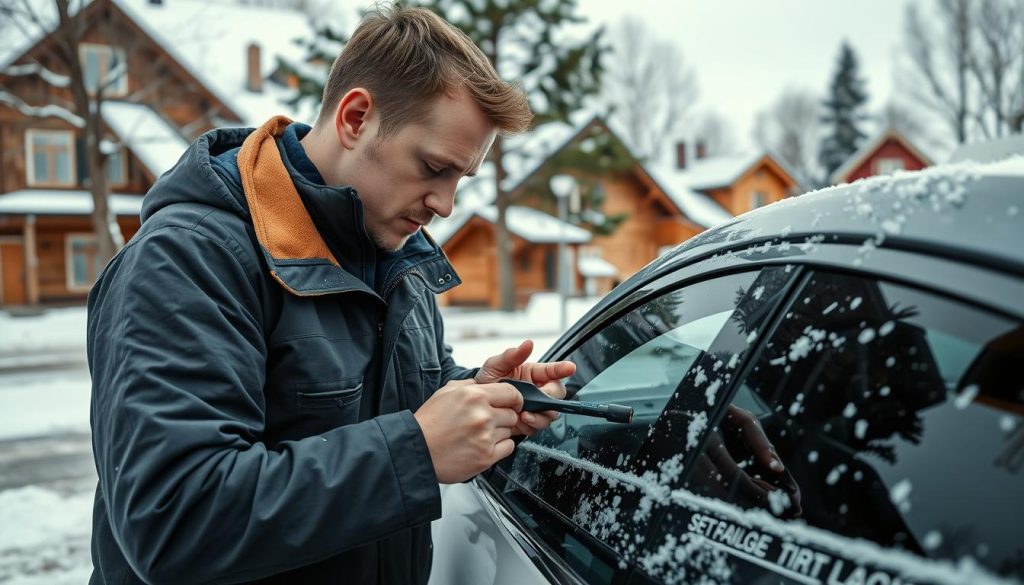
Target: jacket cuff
pixel 413 467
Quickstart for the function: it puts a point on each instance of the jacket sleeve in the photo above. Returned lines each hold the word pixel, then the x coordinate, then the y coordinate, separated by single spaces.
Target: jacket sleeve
pixel 178 359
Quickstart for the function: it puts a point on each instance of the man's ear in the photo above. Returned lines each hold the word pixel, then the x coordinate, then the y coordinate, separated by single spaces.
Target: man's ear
pixel 351 119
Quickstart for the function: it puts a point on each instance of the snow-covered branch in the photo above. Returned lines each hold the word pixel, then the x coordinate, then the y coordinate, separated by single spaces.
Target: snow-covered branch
pixel 47 111
pixel 54 79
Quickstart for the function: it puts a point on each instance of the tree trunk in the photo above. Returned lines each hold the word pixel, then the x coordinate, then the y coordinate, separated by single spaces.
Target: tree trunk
pixel 104 222
pixel 506 281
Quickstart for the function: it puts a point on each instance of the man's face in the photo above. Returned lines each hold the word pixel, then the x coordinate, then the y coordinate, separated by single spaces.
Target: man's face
pixel 408 177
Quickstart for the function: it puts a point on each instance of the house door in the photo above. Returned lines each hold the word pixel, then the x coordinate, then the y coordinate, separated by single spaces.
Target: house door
pixel 12 273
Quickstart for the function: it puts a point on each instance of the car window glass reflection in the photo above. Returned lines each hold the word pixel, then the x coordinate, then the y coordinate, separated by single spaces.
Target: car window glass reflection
pixel 889 407
pixel 690 341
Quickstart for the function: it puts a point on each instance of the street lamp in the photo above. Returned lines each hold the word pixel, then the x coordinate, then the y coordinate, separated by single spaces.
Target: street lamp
pixel 563 186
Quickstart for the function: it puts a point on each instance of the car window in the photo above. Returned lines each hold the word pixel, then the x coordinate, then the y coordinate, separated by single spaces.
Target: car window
pixel 585 470
pixel 897 414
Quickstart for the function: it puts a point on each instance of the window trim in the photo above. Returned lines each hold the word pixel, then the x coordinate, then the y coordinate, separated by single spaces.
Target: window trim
pixel 121 88
pixel 69 266
pixel 30 163
pixel 123 151
pixel 876 166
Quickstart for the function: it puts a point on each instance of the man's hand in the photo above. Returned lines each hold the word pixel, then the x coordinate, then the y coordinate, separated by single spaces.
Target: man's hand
pixel 511 363
pixel 467 427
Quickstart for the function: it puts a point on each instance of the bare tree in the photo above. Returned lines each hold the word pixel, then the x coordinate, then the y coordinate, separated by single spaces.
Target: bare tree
pixel 649 87
pixel 713 134
pixel 939 51
pixel 791 128
pixel 911 124
pixel 73 100
pixel 996 61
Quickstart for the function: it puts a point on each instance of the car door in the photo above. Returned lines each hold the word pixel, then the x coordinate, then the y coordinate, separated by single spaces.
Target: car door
pixel 585 490
pixel 897 413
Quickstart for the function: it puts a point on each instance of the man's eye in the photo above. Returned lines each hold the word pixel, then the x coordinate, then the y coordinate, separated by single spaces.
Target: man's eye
pixel 432 171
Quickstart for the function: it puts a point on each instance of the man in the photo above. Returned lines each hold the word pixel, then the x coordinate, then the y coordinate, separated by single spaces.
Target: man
pixel 266 352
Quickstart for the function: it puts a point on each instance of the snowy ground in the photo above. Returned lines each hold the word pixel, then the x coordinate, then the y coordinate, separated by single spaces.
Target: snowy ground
pixel 47 476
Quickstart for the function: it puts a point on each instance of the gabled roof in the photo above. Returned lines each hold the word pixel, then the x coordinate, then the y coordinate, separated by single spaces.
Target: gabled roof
pixel 530 224
pixel 536 148
pixel 209 40
pixel 869 147
pixel 156 143
pixel 64 202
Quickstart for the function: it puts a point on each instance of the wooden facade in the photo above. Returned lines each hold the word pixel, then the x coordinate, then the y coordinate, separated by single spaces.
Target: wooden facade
pixel 38 251
pixel 472 250
pixel 885 154
pixel 763 182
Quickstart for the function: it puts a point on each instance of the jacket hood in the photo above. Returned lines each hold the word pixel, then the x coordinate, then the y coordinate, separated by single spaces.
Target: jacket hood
pixel 193 180
pixel 306 256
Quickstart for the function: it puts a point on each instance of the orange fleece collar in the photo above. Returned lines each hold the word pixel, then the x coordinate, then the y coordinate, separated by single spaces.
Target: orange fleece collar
pixel 282 224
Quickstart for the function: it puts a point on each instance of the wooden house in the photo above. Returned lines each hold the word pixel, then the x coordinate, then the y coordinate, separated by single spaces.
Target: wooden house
pixel 188 66
pixel 660 206
pixel 884 154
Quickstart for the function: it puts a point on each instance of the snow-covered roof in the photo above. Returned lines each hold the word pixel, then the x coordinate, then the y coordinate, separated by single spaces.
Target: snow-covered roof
pixel 719 170
pixel 532 225
pixel 989 150
pixel 870 146
pixel 596 267
pixel 211 40
pixel 696 206
pixel 157 144
pixel 57 202
pixel 530 151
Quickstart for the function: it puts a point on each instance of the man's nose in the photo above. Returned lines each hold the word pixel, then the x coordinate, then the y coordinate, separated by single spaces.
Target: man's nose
pixel 441 202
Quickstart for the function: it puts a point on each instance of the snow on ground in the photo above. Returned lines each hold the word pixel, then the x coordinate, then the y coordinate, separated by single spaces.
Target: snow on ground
pixel 44 537
pixel 45 527
pixel 54 330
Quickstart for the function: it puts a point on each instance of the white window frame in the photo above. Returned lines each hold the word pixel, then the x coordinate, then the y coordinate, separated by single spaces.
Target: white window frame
pixel 118 89
pixel 888 165
pixel 69 264
pixel 30 159
pixel 123 153
pixel 758 199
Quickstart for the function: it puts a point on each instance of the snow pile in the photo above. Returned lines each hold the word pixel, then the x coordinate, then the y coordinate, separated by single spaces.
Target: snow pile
pixel 45 536
pixel 57 329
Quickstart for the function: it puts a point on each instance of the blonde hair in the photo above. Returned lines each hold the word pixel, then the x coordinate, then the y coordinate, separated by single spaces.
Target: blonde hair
pixel 407 57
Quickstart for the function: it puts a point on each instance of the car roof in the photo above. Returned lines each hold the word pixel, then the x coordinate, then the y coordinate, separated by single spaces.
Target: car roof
pixel 962 211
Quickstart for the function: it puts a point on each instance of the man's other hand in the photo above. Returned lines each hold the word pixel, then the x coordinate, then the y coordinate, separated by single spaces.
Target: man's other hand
pixel 512 363
pixel 468 427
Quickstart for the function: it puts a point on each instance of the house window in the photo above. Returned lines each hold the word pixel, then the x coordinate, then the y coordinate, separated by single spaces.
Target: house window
pixel 98 61
pixel 117 171
pixel 50 158
pixel 757 199
pixel 83 264
pixel 888 166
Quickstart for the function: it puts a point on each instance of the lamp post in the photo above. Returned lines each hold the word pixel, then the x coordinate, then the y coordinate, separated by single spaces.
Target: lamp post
pixel 563 186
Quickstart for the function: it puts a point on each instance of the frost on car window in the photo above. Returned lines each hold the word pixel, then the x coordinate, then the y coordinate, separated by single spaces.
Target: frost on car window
pixel 671 360
pixel 910 437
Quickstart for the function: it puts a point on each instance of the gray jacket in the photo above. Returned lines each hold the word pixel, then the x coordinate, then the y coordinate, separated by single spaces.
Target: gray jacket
pixel 252 398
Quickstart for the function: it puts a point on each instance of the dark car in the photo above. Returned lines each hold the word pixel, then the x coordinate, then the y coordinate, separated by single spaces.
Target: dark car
pixel 871 336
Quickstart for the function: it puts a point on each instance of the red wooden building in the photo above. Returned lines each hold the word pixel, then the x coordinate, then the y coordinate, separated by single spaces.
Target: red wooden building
pixel 885 154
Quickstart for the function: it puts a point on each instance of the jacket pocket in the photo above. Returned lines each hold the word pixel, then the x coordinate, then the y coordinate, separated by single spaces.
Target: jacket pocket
pixel 331 399
pixel 430 378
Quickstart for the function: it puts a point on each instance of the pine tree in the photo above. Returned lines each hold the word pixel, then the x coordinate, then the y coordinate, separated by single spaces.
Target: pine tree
pixel 843 112
pixel 530 41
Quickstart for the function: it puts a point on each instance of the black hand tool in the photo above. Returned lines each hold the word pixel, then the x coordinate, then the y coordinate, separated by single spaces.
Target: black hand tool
pixel 535 400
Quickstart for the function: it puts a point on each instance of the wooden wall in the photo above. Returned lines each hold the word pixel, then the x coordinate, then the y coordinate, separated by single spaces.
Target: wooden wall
pixel 764 177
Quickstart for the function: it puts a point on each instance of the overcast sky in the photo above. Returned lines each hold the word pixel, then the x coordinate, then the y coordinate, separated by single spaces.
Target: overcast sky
pixel 746 52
